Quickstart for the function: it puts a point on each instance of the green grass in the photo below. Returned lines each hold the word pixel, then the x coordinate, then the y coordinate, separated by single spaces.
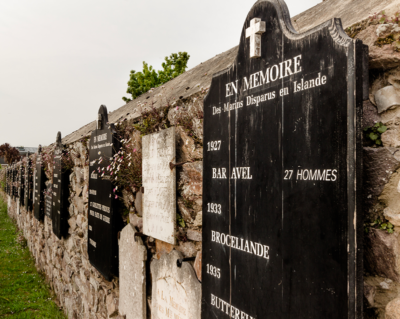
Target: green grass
pixel 23 291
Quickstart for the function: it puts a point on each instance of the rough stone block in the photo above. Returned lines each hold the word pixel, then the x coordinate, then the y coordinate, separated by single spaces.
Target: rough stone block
pixel 112 305
pixel 370 114
pixel 191 179
pixel 382 253
pixel 188 249
pixel 186 149
pixel 185 212
pixel 194 235
pixel 393 309
pixel 198 222
pixel 138 203
pixel 136 221
pixel 387 98
pixel 379 165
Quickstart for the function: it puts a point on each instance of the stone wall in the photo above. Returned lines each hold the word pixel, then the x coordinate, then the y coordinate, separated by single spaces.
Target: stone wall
pixel 84 293
pixel 81 290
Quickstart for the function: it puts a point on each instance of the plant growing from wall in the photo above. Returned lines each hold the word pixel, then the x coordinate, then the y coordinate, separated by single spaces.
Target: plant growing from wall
pixel 379 224
pixel 152 119
pixel 141 82
pixel 124 169
pixel 373 134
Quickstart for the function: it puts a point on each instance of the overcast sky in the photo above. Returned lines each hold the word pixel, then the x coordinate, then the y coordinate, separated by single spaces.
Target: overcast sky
pixel 60 60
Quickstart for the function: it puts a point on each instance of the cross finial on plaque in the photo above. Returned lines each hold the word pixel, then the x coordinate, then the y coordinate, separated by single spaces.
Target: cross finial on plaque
pixel 257 27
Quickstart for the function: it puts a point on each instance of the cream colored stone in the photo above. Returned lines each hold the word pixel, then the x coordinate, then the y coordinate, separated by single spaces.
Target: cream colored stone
pixel 393 309
pixel 198 222
pixel 393 217
pixel 387 98
pixel 391 138
pixel 132 274
pixel 390 197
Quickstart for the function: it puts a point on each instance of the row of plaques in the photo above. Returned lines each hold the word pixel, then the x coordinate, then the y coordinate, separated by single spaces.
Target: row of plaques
pixel 104 220
pixel 27 185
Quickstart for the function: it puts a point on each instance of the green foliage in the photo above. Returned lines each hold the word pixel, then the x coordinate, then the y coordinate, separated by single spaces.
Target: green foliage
pixel 373 134
pixel 153 120
pixel 180 221
pixel 23 292
pixel 380 225
pixel 386 40
pixel 141 82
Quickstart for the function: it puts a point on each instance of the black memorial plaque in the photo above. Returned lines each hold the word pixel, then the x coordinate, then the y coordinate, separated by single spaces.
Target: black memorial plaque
pixel 14 182
pixel 39 186
pixel 104 218
pixel 21 183
pixel 282 159
pixel 28 185
pixel 48 200
pixel 60 192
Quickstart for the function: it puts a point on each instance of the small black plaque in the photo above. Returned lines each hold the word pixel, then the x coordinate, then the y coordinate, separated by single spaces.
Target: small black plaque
pixel 104 218
pixel 21 183
pixel 14 182
pixel 48 203
pixel 60 191
pixel 28 184
pixel 282 225
pixel 39 186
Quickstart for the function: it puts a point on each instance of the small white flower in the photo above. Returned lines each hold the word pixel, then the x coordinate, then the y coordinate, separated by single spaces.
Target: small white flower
pixel 129 164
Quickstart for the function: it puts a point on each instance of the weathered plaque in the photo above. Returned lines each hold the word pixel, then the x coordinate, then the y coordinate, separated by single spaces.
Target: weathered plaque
pixel 132 274
pixel 60 192
pixel 21 183
pixel 282 226
pixel 104 217
pixel 40 179
pixel 176 292
pixel 9 181
pixel 7 186
pixel 28 184
pixel 159 182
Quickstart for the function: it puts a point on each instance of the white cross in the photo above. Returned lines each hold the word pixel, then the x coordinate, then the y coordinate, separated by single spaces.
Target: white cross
pixel 257 27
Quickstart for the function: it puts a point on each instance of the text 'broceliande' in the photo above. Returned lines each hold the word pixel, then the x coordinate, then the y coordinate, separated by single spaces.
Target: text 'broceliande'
pixel 239 243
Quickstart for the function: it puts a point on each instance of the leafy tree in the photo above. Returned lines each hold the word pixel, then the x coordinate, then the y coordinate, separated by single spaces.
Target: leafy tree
pixel 141 82
pixel 10 154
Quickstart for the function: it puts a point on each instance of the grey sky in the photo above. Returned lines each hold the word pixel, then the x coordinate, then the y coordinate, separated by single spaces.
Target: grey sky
pixel 60 60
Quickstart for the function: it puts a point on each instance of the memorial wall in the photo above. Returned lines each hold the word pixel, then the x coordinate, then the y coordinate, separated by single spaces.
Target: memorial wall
pixel 242 197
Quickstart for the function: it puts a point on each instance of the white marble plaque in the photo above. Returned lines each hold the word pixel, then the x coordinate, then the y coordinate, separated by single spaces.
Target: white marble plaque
pixel 176 291
pixel 132 274
pixel 159 182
